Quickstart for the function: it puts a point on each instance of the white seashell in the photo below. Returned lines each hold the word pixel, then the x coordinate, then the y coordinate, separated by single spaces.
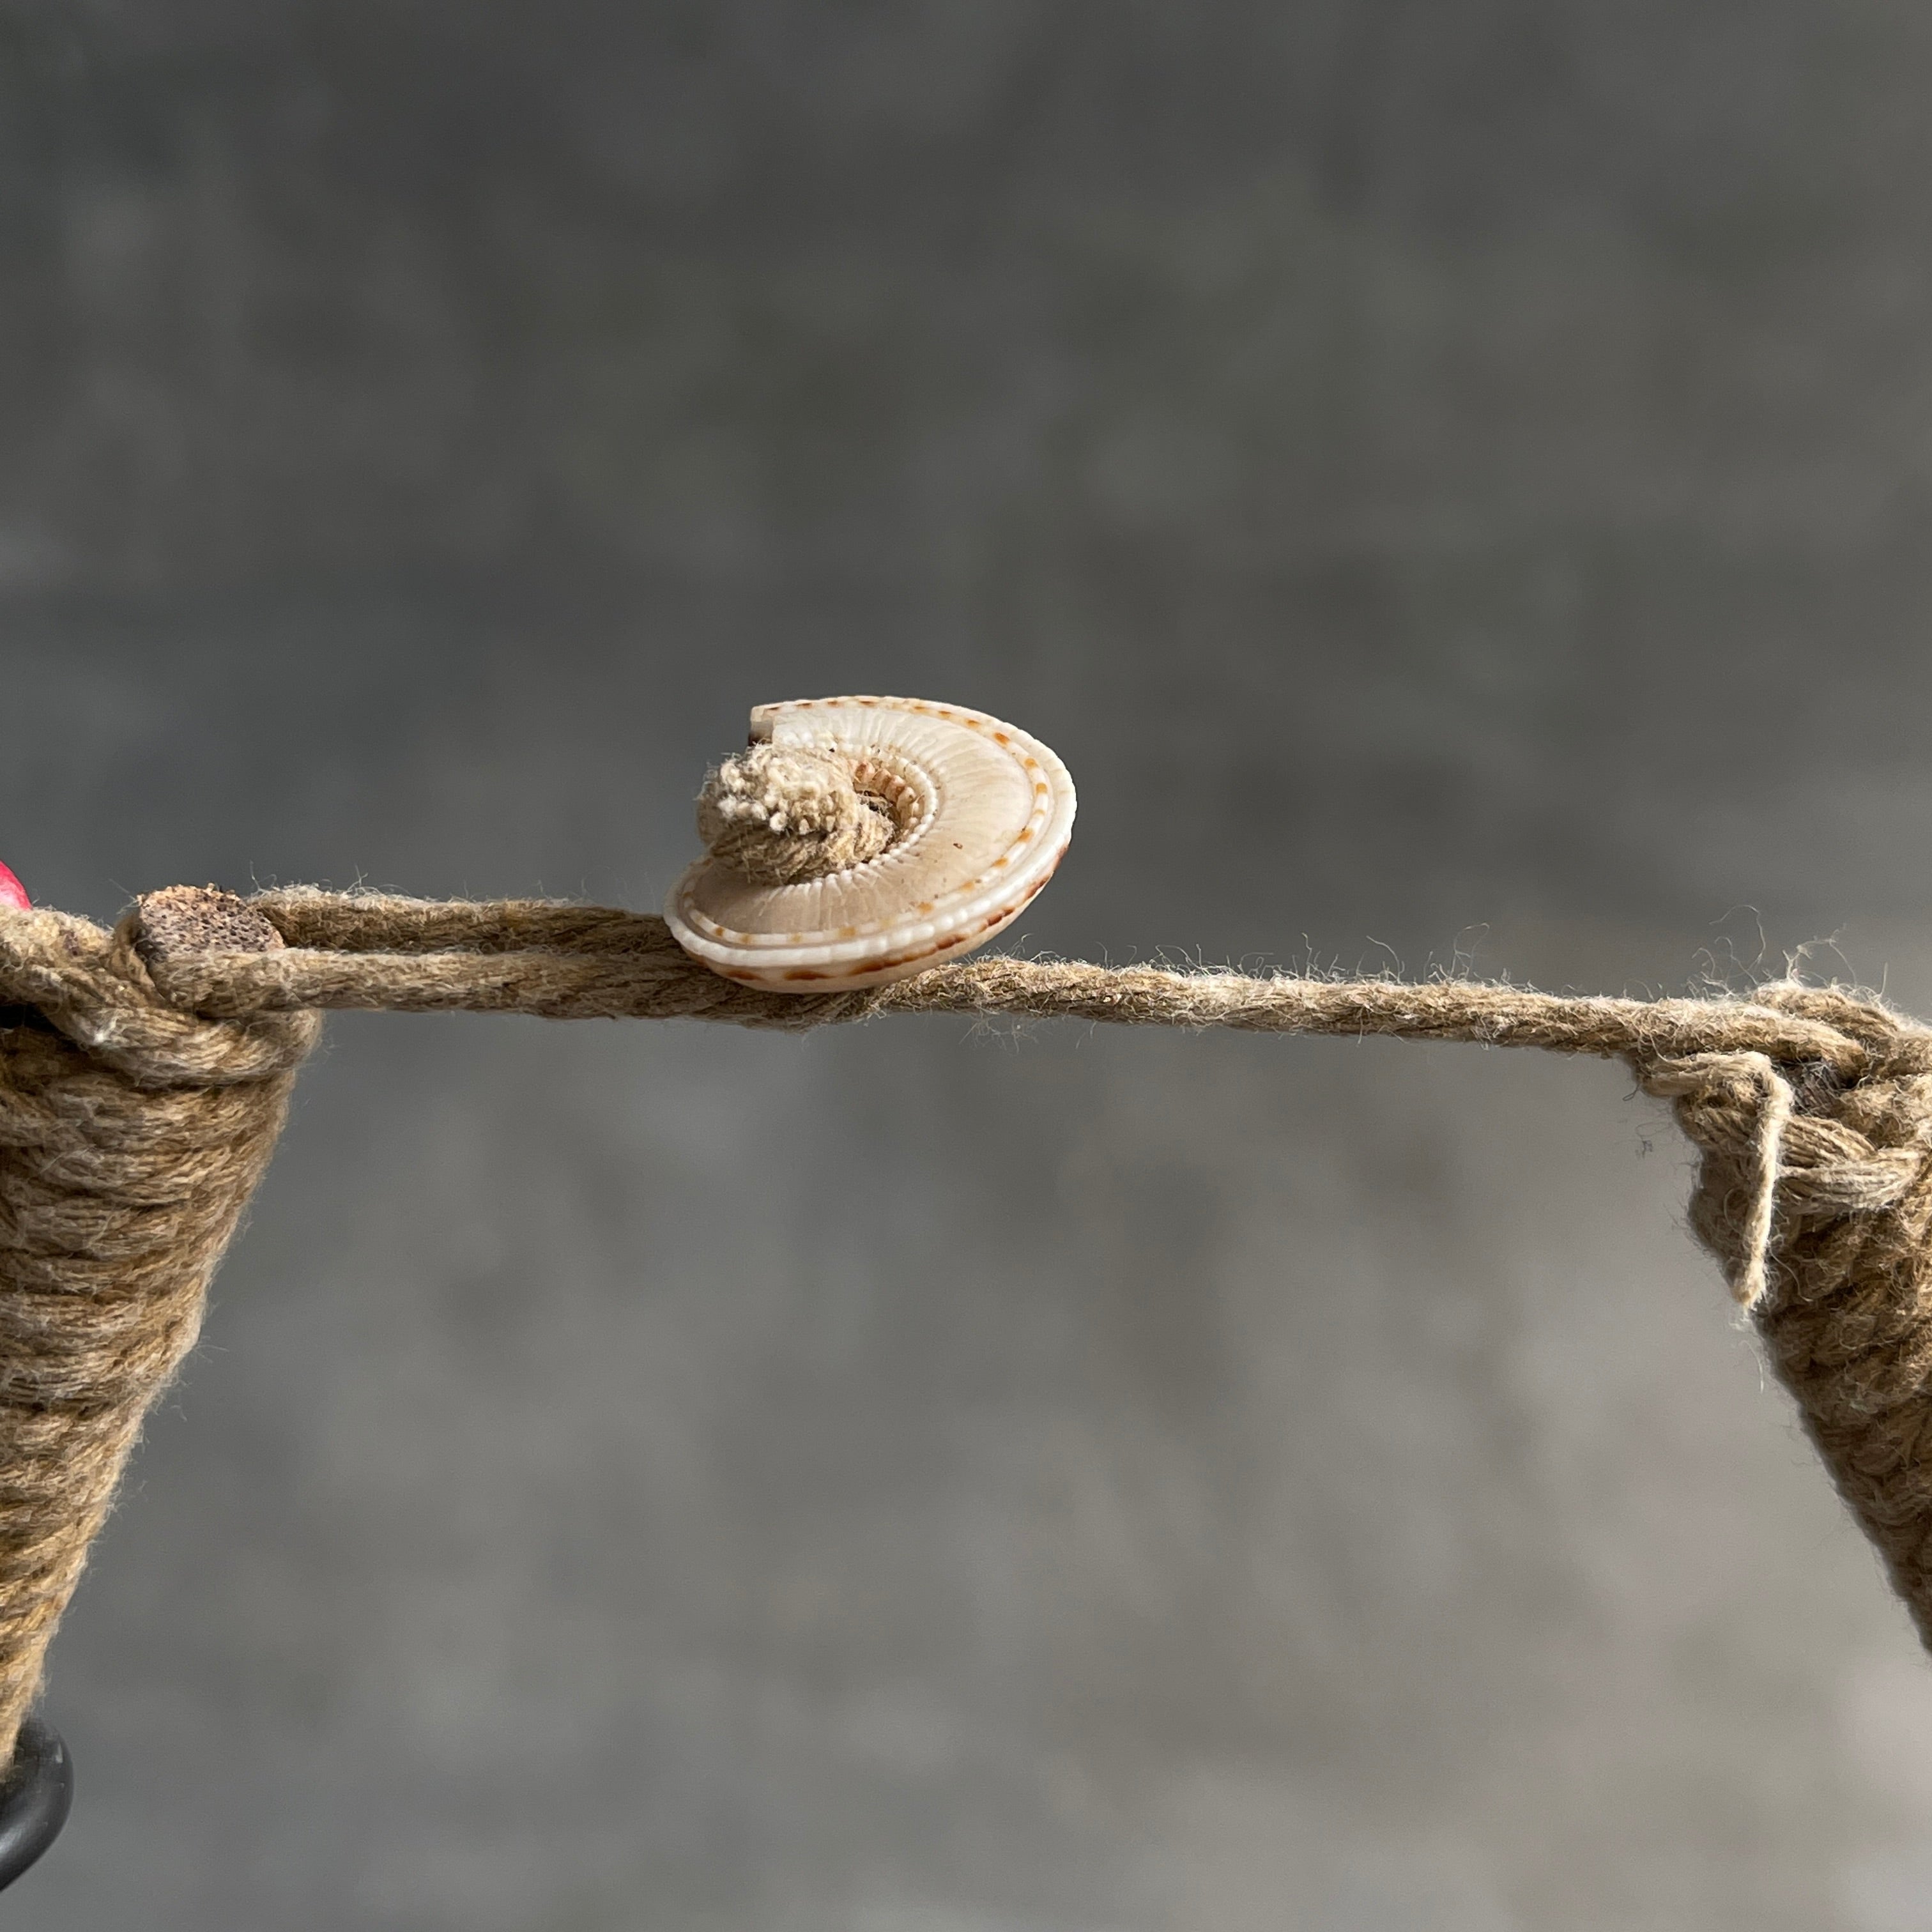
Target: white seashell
pixel 982 813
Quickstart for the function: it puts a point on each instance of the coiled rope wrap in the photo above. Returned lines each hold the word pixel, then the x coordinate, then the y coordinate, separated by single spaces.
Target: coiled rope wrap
pixel 144 1072
pixel 131 1135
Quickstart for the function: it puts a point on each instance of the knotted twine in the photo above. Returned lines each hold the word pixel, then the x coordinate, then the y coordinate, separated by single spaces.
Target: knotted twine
pixel 144 1074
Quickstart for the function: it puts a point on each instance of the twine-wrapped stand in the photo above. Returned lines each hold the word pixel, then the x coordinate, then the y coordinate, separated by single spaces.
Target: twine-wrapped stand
pixel 144 1074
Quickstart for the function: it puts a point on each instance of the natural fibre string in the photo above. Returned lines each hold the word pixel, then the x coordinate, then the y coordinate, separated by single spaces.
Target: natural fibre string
pixel 144 1072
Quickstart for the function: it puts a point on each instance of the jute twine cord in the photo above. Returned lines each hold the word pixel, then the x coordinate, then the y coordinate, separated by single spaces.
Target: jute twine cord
pixel 144 1072
pixel 778 813
pixel 131 1134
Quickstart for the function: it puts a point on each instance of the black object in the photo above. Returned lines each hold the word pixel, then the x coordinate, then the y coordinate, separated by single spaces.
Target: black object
pixel 34 1798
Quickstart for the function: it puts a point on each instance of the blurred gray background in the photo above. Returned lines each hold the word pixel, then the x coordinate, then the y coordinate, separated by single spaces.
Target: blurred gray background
pixel 1453 480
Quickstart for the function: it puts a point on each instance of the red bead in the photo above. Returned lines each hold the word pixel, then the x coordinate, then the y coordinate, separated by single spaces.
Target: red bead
pixel 12 893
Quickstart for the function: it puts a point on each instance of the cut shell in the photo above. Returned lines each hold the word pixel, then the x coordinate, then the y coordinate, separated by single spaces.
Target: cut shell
pixel 982 814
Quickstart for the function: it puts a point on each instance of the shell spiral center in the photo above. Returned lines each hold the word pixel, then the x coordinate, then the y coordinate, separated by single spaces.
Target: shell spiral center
pixel 780 815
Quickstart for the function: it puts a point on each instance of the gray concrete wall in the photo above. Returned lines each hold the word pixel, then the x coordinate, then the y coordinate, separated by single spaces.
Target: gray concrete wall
pixel 1452 480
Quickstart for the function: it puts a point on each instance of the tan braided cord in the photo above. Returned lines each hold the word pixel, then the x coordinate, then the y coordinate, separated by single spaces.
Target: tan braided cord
pixel 143 1075
pixel 131 1135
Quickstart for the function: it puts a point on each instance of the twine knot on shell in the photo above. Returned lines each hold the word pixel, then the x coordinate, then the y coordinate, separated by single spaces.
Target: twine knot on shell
pixel 779 814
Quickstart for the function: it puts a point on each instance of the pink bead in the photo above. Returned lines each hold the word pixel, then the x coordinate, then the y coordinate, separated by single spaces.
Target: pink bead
pixel 12 893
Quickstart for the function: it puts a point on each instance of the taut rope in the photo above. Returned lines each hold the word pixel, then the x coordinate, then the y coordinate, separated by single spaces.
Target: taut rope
pixel 144 1072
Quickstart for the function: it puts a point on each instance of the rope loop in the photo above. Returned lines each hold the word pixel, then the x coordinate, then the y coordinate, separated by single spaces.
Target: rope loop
pixel 1739 1104
pixel 94 988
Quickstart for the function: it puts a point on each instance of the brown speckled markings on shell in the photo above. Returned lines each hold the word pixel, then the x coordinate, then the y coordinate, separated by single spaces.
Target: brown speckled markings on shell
pixel 144 1076
pixel 862 839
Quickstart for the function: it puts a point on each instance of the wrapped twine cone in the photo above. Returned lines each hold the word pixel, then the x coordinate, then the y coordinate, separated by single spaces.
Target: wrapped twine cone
pixel 144 1074
pixel 131 1135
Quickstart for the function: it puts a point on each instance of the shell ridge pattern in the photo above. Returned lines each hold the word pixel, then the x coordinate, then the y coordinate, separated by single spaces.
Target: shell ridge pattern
pixel 984 812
